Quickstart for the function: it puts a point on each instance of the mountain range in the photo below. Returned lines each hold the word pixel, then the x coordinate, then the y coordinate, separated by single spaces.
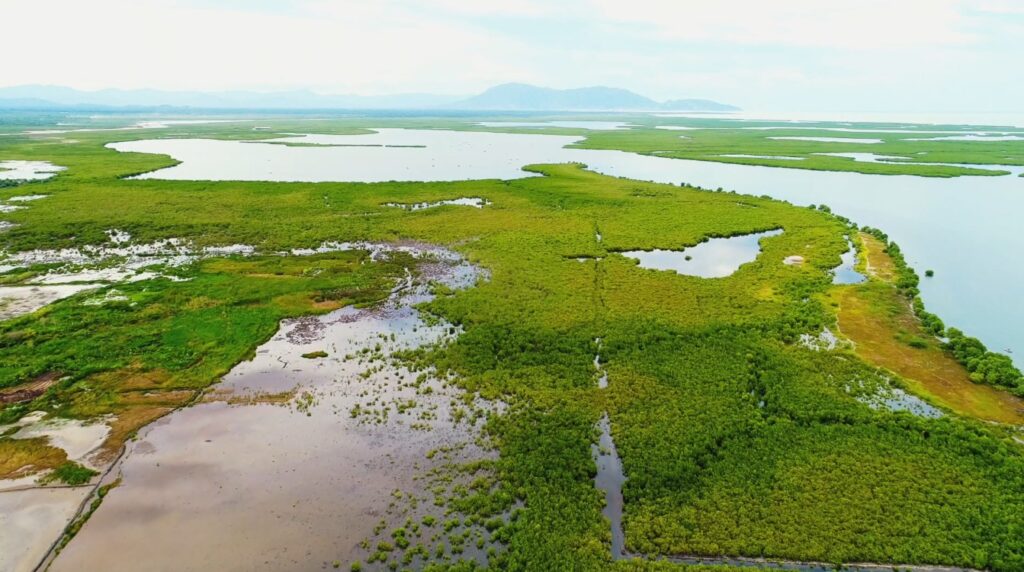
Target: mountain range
pixel 506 97
pixel 523 97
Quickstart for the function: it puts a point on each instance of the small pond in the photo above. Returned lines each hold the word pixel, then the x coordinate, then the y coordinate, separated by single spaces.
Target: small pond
pixel 715 258
pixel 27 170
pixel 474 202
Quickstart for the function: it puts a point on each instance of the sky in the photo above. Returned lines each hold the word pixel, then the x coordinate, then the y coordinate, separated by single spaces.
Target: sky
pixel 792 55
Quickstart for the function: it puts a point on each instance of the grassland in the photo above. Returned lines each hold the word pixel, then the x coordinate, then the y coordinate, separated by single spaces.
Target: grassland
pixel 888 335
pixel 736 438
pixel 713 143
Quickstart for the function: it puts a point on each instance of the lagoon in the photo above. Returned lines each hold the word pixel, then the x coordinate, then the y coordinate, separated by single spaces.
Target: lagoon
pixel 413 155
pixel 964 228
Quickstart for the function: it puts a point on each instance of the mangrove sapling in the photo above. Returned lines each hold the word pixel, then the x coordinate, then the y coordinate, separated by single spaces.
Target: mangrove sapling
pixel 70 473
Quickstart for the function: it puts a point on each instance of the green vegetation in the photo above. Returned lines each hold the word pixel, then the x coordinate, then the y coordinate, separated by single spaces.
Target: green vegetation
pixel 141 355
pixel 713 140
pixel 984 366
pixel 20 457
pixel 887 334
pixel 76 525
pixel 735 437
pixel 70 473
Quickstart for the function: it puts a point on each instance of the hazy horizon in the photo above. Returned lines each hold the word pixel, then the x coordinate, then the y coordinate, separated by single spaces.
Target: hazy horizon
pixel 864 55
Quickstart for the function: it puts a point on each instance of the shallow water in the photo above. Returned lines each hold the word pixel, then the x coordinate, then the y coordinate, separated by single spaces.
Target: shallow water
pixel 609 479
pixel 28 170
pixel 415 155
pixel 823 341
pixel 973 252
pixel 593 125
pixel 868 157
pixel 898 400
pixel 79 439
pixel 157 124
pixel 714 258
pixel 776 157
pixel 26 198
pixel 845 273
pixel 19 300
pixel 972 137
pixel 890 159
pixel 118 261
pixel 31 520
pixel 463 201
pixel 327 459
pixel 602 373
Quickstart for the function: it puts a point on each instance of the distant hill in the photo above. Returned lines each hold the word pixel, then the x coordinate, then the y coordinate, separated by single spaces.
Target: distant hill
pixel 523 97
pixel 696 105
pixel 507 97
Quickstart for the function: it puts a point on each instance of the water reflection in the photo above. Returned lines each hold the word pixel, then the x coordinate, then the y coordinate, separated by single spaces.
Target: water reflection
pixel 463 201
pixel 845 273
pixel 318 430
pixel 609 480
pixel 28 170
pixel 715 258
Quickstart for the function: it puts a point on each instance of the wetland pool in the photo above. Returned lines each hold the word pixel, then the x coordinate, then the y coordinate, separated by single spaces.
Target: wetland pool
pixel 964 228
pixel 846 272
pixel 714 258
pixel 28 170
pixel 316 426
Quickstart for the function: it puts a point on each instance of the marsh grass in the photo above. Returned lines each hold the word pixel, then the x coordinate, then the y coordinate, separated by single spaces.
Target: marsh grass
pixel 70 473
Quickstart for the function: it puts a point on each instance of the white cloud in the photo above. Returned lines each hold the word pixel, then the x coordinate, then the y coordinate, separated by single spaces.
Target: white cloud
pixel 840 52
pixel 1012 7
pixel 841 24
pixel 520 8
pixel 340 46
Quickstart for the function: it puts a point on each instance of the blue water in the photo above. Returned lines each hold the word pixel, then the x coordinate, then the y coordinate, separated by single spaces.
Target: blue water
pixel 966 229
